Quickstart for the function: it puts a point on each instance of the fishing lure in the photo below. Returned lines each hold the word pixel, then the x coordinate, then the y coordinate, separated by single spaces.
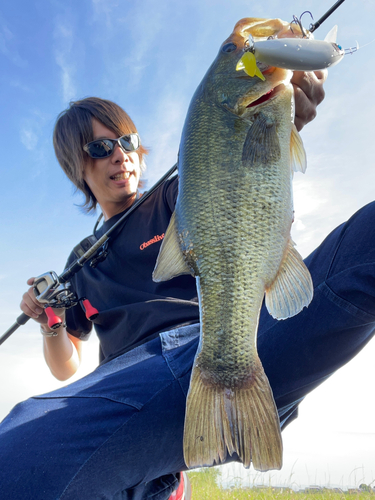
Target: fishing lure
pixel 297 54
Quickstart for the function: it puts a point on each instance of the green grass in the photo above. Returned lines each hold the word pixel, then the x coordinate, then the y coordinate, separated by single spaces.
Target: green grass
pixel 205 487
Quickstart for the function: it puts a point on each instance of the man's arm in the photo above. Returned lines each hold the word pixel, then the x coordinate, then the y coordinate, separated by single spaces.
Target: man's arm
pixel 63 352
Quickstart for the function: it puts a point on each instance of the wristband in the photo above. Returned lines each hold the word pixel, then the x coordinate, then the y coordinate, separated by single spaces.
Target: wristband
pixel 53 333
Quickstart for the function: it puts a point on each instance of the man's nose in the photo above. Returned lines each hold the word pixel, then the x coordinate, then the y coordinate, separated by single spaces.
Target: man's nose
pixel 119 154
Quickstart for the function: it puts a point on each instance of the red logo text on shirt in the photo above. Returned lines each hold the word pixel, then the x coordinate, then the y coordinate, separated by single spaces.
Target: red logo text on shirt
pixel 155 239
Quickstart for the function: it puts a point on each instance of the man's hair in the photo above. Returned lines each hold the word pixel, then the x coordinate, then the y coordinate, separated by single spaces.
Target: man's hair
pixel 73 130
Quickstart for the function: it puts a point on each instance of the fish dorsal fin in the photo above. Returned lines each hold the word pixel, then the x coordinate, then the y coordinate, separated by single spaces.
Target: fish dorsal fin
pixel 331 36
pixel 262 143
pixel 292 290
pixel 297 152
pixel 170 262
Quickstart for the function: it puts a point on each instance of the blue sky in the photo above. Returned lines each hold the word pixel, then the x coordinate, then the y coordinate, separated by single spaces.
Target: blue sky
pixel 149 57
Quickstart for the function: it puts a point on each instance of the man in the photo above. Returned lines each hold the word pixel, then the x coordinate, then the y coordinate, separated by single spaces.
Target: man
pixel 117 433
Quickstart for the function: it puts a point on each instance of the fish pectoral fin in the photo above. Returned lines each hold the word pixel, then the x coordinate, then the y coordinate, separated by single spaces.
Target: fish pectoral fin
pixel 262 144
pixel 297 152
pixel 170 262
pixel 292 290
pixel 243 420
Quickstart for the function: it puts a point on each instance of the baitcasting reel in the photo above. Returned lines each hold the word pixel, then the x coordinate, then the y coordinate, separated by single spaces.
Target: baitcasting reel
pixel 50 292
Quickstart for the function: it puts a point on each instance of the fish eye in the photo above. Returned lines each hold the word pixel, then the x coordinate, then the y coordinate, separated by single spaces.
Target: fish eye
pixel 229 47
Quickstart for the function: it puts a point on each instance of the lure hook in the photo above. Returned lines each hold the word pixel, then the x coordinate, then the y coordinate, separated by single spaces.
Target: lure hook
pixel 303 13
pixel 299 22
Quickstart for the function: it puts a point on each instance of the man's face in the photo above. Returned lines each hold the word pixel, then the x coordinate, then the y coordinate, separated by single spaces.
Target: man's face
pixel 113 180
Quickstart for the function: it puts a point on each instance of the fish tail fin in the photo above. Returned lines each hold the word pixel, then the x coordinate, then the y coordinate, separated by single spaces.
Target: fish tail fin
pixel 242 420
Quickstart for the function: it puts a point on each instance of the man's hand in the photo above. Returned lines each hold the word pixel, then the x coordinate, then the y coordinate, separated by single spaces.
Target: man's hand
pixel 35 309
pixel 308 94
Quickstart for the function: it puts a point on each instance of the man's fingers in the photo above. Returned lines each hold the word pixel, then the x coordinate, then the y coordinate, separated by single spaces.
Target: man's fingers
pixel 29 312
pixel 311 84
pixel 308 94
pixel 321 75
pixel 30 305
pixel 305 109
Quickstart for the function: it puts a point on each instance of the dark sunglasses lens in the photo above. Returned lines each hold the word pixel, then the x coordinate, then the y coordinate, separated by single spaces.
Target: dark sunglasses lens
pixel 130 142
pixel 100 149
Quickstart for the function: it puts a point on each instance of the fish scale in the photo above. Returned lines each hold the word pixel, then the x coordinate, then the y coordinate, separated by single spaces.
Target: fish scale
pixel 231 230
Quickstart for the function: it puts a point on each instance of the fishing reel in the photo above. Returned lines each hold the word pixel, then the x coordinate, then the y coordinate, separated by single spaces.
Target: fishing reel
pixel 50 292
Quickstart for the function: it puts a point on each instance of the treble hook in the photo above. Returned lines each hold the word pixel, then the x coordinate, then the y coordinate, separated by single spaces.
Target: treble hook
pixel 299 22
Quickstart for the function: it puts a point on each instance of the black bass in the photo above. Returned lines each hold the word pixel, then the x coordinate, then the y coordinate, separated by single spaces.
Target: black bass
pixel 231 230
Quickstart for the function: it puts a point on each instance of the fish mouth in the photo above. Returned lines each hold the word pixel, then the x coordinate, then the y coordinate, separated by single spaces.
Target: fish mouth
pixel 271 94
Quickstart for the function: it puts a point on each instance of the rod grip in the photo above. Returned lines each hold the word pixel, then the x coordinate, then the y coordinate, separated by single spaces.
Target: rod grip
pixel 22 319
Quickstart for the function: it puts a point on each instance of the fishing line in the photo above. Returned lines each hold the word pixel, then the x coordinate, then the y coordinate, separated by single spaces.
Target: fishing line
pixel 361 47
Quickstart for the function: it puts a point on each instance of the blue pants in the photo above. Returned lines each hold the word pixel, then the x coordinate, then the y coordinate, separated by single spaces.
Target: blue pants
pixel 117 433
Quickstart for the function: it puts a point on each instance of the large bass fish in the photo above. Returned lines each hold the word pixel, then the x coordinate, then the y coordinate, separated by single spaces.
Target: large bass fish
pixel 231 230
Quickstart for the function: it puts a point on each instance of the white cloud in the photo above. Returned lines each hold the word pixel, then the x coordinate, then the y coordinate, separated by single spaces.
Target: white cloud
pixel 7 45
pixel 65 59
pixel 164 132
pixel 29 138
pixel 134 31
pixel 104 10
pixel 21 86
pixel 34 137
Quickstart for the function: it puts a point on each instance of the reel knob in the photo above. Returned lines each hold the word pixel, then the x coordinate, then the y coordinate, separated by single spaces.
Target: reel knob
pixel 91 312
pixel 54 322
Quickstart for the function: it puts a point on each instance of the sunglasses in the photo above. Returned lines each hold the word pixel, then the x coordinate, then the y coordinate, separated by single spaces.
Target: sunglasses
pixel 102 148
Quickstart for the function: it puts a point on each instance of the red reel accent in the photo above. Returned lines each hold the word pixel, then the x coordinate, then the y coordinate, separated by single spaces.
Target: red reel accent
pixel 91 312
pixel 54 321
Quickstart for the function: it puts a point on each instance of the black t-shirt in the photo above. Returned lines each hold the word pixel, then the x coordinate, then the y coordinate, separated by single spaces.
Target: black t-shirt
pixel 132 308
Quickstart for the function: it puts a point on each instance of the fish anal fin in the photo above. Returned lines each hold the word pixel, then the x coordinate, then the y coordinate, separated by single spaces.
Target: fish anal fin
pixel 170 262
pixel 297 152
pixel 242 420
pixel 262 144
pixel 292 289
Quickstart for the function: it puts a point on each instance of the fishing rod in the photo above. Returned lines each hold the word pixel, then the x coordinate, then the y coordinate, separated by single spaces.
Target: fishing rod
pixel 316 25
pixel 52 290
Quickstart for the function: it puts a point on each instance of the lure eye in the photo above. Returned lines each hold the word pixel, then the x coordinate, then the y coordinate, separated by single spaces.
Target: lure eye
pixel 229 47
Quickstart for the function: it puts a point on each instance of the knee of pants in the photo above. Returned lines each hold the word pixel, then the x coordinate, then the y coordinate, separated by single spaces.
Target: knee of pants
pixel 345 261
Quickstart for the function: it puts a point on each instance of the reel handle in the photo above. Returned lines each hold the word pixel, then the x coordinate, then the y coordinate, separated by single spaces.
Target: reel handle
pixel 54 321
pixel 91 312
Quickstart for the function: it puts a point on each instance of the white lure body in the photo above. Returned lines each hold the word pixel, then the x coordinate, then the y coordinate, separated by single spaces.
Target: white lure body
pixel 299 54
